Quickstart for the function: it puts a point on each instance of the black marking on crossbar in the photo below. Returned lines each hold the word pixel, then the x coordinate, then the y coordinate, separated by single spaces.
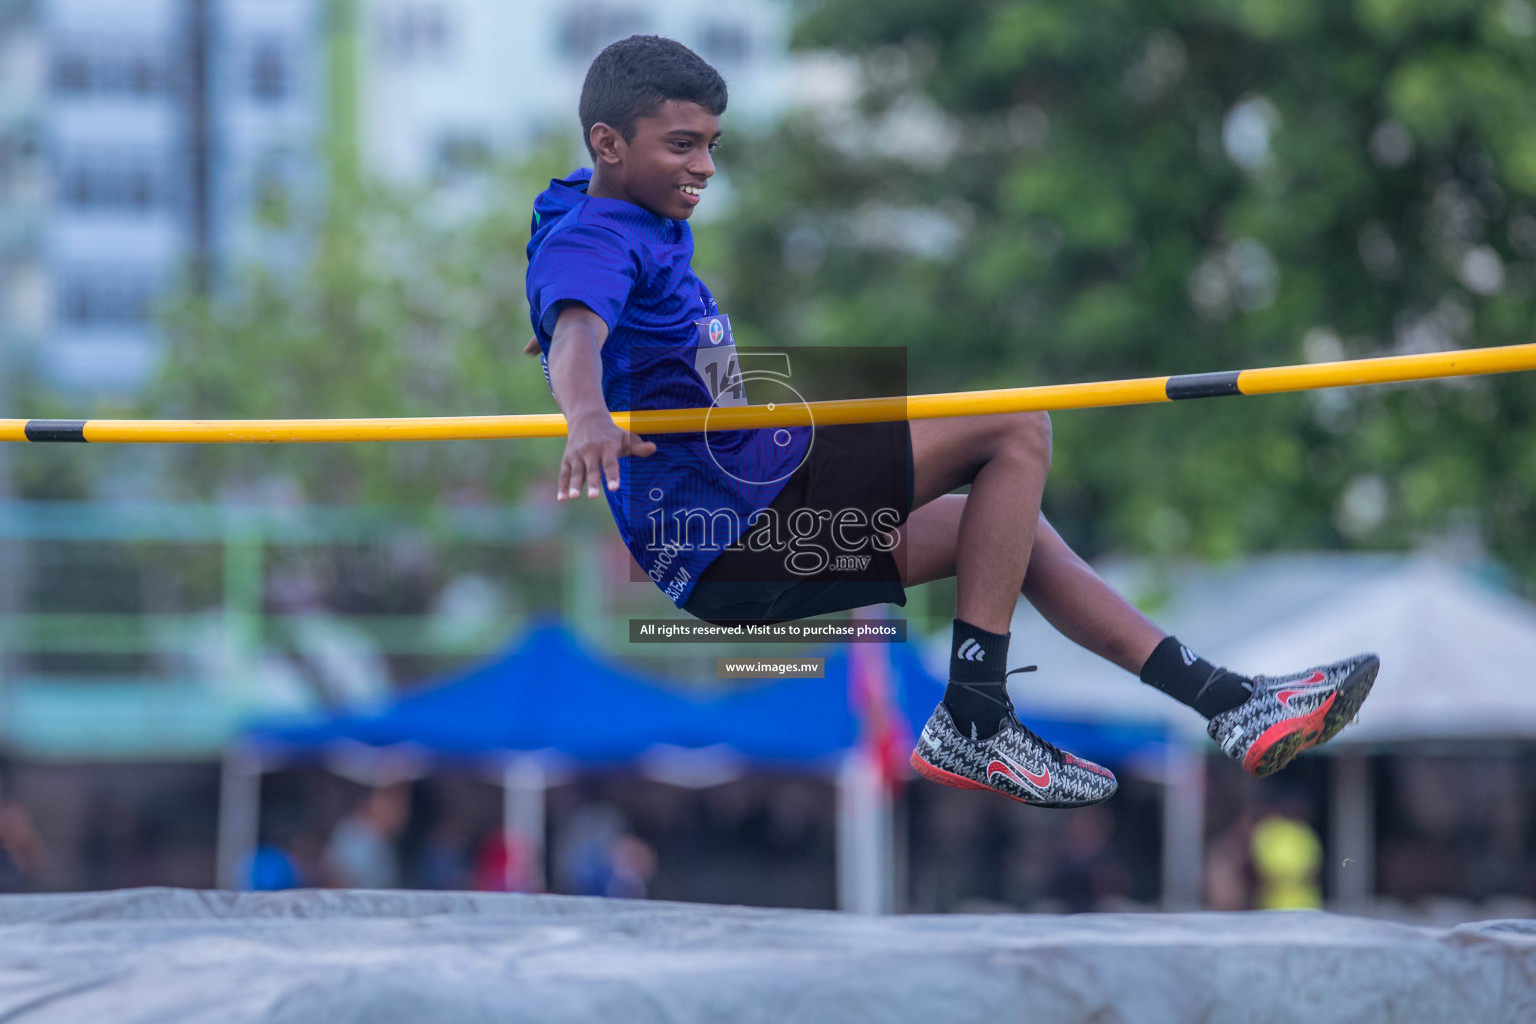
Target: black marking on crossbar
pixel 55 430
pixel 1203 385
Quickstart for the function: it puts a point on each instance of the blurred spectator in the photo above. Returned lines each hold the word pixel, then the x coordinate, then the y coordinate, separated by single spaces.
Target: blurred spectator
pixel 443 860
pixel 361 851
pixel 581 851
pixel 504 863
pixel 21 849
pixel 1287 856
pixel 632 863
pixel 307 851
pixel 268 869
pixel 278 861
pixel 598 857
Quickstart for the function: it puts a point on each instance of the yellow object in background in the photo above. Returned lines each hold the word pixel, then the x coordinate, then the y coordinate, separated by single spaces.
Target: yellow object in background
pixel 1287 856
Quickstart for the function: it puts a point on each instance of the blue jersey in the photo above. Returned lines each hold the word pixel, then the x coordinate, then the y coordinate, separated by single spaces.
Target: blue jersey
pixel 676 509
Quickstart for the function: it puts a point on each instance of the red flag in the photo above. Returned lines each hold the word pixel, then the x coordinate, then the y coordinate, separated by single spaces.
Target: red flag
pixel 883 733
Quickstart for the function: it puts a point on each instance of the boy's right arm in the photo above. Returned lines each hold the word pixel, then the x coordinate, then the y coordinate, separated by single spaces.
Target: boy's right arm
pixel 594 443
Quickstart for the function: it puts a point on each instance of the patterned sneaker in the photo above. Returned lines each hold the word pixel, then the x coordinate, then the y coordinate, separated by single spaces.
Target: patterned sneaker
pixel 1014 762
pixel 1287 715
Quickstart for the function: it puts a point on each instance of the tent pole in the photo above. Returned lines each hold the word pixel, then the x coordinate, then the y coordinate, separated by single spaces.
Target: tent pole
pixel 864 839
pixel 1352 854
pixel 1183 827
pixel 524 783
pixel 239 814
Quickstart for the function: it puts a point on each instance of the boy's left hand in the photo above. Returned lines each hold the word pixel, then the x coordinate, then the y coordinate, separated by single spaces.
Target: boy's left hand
pixel 532 348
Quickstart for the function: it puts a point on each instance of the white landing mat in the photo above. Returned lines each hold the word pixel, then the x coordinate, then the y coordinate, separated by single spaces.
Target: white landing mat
pixel 170 955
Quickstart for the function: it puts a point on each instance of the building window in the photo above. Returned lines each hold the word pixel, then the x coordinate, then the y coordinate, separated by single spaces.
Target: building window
pixel 270 74
pixel 72 72
pixel 415 32
pixel 126 181
pixel 143 74
pixel 87 65
pixel 105 297
pixel 586 31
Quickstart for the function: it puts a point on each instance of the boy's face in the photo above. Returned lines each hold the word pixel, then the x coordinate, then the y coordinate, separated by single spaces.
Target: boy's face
pixel 665 166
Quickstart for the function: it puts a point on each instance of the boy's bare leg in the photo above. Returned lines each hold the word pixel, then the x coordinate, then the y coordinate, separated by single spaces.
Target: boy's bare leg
pixel 1062 587
pixel 973 740
pixel 1250 722
pixel 1005 459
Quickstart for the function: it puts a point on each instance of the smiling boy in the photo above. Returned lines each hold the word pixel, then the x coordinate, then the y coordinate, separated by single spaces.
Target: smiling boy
pixel 623 323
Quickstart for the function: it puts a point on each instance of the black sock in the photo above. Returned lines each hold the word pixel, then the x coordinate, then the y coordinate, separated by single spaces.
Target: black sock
pixel 977 697
pixel 1190 679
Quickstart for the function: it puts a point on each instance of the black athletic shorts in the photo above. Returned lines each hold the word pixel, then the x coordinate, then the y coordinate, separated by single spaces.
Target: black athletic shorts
pixel 818 548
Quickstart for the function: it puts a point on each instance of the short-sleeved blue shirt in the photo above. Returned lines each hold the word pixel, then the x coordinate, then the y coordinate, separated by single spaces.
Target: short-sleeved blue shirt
pixel 676 509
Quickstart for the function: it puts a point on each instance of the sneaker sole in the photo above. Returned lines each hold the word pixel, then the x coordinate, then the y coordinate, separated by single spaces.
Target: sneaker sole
pixel 1281 742
pixel 935 774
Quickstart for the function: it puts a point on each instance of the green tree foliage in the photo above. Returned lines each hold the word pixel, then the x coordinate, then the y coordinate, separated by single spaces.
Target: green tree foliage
pixel 1063 190
pixel 403 304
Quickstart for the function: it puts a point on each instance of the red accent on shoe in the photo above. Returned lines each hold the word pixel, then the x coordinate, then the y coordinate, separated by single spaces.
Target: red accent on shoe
pixel 944 778
pixel 998 768
pixel 1306 686
pixel 1280 730
pixel 1100 769
pixel 1041 781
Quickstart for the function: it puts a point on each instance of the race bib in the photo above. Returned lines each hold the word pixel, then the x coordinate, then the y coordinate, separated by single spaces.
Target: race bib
pixel 716 362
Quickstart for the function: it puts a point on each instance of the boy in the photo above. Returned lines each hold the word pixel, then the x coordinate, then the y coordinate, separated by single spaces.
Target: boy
pixel 736 525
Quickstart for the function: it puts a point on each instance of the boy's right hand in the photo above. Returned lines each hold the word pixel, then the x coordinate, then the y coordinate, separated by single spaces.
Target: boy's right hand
pixel 593 446
pixel 594 443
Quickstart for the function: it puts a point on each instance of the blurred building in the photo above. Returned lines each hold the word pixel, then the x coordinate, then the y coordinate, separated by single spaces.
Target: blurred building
pixel 270 105
pixel 143 141
pixel 137 140
pixel 447 83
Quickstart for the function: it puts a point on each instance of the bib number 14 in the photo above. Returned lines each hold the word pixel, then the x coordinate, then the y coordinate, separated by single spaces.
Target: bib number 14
pixel 716 362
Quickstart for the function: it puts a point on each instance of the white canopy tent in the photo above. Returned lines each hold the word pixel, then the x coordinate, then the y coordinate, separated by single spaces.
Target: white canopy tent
pixel 1458 657
pixel 1458 664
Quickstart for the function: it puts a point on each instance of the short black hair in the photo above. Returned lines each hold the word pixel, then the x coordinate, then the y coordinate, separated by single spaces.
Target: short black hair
pixel 633 77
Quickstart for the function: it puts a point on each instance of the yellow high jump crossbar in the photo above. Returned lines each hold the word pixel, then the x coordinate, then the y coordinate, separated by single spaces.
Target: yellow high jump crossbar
pixel 1100 394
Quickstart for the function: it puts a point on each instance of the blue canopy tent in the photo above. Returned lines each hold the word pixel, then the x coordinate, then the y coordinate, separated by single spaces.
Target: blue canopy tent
pixel 547 698
pixel 545 692
pixel 548 693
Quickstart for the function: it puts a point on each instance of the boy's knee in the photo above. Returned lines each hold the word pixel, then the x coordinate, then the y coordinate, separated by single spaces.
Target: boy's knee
pixel 1029 433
